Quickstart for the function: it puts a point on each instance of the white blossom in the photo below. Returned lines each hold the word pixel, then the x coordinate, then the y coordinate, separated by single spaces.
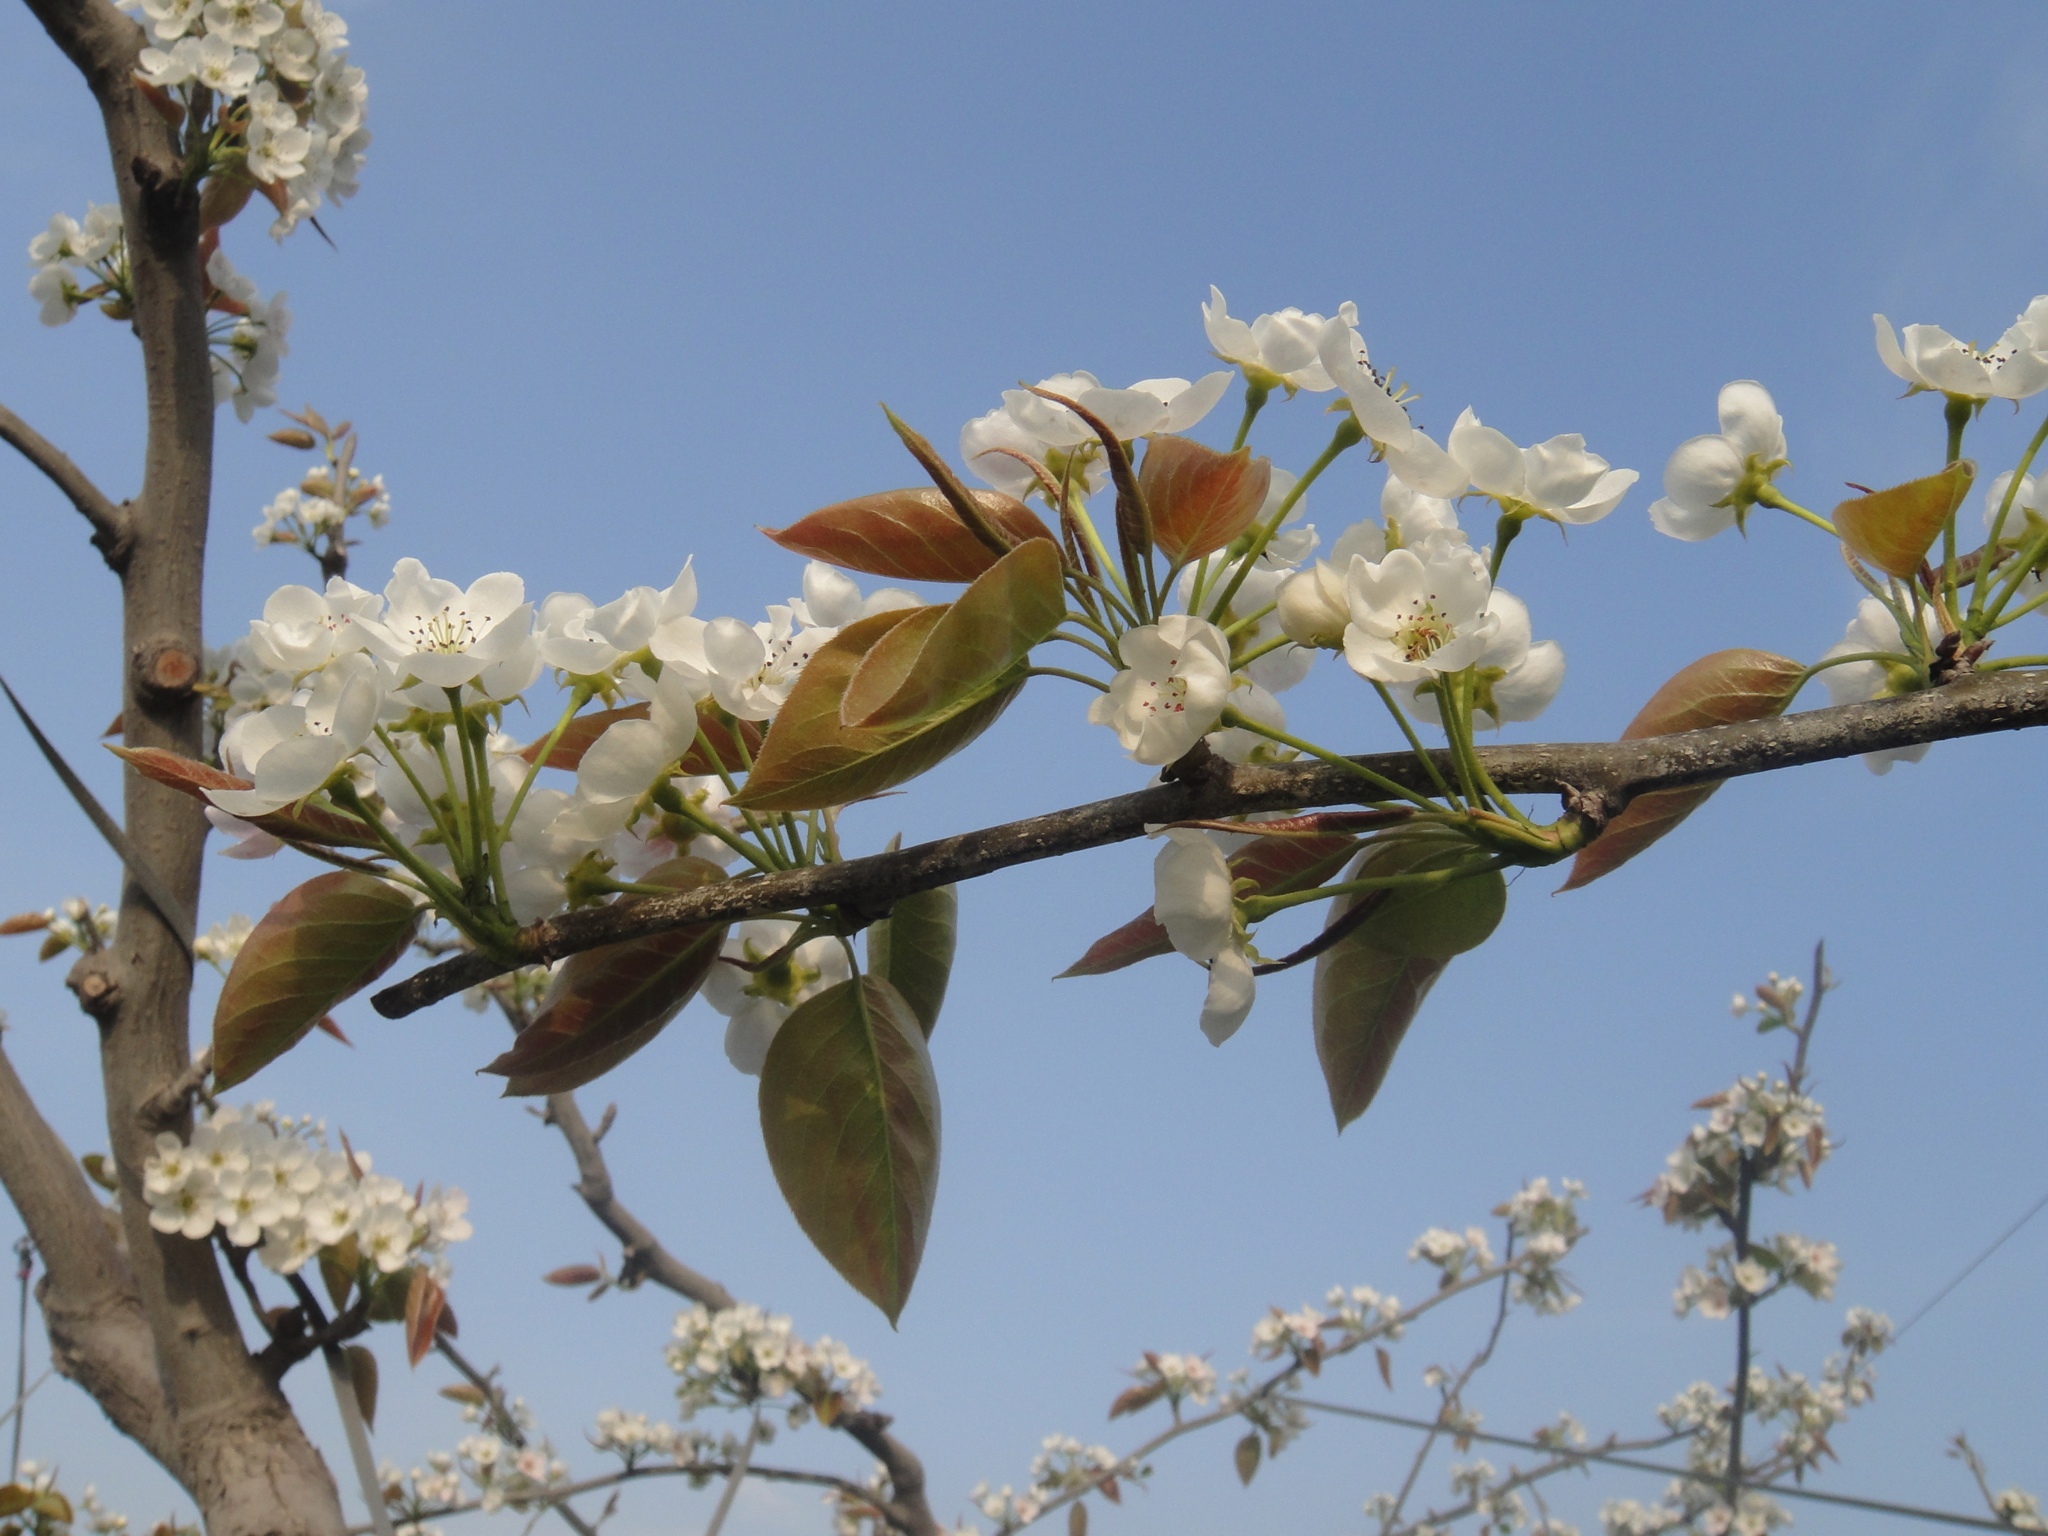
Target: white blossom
pixel 1712 481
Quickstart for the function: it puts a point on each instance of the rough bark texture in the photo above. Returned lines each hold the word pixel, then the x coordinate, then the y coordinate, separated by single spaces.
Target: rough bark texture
pixel 232 1438
pixel 99 1336
pixel 1594 779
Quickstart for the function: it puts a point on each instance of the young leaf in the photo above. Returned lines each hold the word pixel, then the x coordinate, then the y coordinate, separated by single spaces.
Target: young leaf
pixel 362 1375
pixel 890 664
pixel 1247 1458
pixel 1893 529
pixel 911 535
pixel 14 1498
pixel 1077 1519
pixel 1132 1399
pixel 322 943
pixel 424 1300
pixel 1274 865
pixel 304 824
pixel 1364 1001
pixel 1200 499
pixel 850 1116
pixel 811 760
pixel 604 1004
pixel 580 735
pixel 976 641
pixel 912 950
pixel 1720 689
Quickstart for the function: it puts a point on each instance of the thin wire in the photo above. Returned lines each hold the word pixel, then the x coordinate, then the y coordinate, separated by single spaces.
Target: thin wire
pixel 1712 1479
pixel 25 1253
pixel 1970 1268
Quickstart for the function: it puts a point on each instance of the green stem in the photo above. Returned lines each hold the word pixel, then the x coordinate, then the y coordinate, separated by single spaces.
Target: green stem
pixel 1073 677
pixel 1505 532
pixel 1771 496
pixel 1109 582
pixel 1348 435
pixel 1255 397
pixel 448 900
pixel 1956 413
pixel 712 827
pixel 1881 657
pixel 2025 558
pixel 2012 489
pixel 1258 908
pixel 2005 663
pixel 1428 759
pixel 1231 718
pixel 1277 643
pixel 460 850
pixel 1250 621
pixel 577 699
pixel 482 824
pixel 449 837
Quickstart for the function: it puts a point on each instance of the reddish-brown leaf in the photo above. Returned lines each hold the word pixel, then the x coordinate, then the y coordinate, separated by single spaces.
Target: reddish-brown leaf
pixel 1276 866
pixel 25 922
pixel 424 1300
pixel 1893 529
pixel 1200 499
pixel 573 1275
pixel 1720 689
pixel 909 535
pixel 322 943
pixel 1131 1399
pixel 604 1004
pixel 811 760
pixel 303 824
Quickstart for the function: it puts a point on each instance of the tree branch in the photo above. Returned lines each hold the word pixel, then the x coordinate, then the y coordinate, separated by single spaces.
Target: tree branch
pixel 109 522
pixel 644 1257
pixel 99 1336
pixel 1594 779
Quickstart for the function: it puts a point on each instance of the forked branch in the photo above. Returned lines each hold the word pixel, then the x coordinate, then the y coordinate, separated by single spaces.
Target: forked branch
pixel 109 522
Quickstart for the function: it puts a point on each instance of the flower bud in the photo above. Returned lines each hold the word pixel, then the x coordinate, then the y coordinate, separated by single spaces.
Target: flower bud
pixel 1313 611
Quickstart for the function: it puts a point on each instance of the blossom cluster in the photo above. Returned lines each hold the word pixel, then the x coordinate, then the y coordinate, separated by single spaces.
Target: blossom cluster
pixel 744 1357
pixel 1773 1130
pixel 1062 1466
pixel 263 1178
pixel 284 83
pixel 1724 1282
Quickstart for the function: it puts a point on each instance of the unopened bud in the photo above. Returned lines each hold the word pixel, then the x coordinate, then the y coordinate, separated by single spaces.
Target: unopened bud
pixel 1312 608
pixel 294 437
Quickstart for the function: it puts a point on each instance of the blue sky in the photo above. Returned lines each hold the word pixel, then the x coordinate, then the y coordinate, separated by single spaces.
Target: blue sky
pixel 616 293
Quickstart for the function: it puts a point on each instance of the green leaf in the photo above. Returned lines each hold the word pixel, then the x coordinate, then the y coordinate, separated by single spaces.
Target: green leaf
pixel 362 1375
pixel 1200 499
pixel 912 535
pixel 1430 922
pixel 1894 529
pixel 912 950
pixel 811 760
pixel 1719 689
pixel 14 1498
pixel 975 642
pixel 1364 1001
pixel 604 1004
pixel 1274 865
pixel 322 943
pixel 850 1116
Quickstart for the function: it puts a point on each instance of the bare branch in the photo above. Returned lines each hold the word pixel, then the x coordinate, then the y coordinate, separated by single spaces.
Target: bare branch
pixel 109 522
pixel 908 1510
pixel 1594 779
pixel 99 1336
pixel 644 1257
